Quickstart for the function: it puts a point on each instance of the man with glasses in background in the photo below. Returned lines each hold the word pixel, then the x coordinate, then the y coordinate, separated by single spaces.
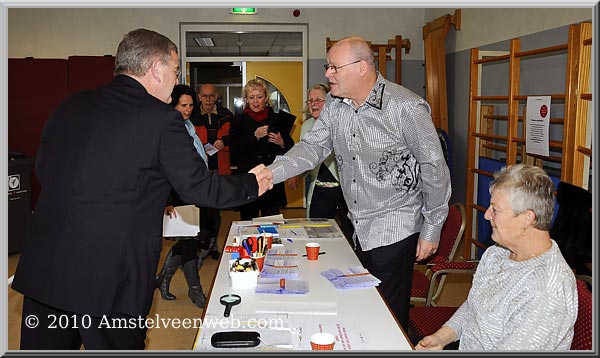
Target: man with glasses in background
pixel 392 169
pixel 212 124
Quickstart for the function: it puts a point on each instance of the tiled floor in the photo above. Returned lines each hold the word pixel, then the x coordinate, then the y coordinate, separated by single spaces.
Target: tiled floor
pixel 171 338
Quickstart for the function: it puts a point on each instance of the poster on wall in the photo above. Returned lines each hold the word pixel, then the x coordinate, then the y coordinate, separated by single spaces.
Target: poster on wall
pixel 537 125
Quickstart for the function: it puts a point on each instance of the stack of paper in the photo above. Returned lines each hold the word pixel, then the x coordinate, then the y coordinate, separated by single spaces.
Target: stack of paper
pixel 281 286
pixel 280 263
pixel 351 277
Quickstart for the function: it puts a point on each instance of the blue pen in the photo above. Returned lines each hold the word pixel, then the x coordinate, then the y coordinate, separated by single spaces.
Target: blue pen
pixel 290 240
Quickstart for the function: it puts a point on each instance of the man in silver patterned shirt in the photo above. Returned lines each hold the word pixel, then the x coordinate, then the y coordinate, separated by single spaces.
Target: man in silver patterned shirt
pixel 392 169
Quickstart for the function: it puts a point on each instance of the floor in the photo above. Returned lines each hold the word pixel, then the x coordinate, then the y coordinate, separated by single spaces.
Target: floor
pixel 171 338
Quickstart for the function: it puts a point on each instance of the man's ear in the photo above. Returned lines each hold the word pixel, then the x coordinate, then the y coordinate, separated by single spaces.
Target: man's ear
pixel 155 71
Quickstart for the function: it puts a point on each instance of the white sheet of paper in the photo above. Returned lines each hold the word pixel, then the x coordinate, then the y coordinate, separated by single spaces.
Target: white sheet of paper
pixel 210 149
pixel 187 222
pixel 538 125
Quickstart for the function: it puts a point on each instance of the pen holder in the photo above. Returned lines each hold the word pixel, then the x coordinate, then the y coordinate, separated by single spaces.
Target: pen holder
pixel 243 273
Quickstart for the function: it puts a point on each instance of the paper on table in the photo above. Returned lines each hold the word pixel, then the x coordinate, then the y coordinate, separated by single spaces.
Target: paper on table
pixel 187 222
pixel 297 307
pixel 210 149
pixel 271 219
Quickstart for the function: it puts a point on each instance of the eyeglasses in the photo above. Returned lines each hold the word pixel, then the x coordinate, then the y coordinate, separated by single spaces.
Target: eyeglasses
pixel 315 101
pixel 334 69
pixel 207 95
pixel 176 69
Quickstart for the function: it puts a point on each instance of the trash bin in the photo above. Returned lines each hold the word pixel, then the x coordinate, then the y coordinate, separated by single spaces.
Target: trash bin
pixel 19 199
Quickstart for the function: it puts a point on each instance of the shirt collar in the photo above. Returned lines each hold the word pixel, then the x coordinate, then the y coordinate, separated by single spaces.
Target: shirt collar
pixel 214 111
pixel 375 98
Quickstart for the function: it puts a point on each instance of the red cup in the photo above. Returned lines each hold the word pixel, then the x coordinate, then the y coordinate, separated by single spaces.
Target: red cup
pixel 312 250
pixel 260 262
pixel 269 239
pixel 322 341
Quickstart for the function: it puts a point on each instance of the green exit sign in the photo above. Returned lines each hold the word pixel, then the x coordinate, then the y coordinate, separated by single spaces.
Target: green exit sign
pixel 244 10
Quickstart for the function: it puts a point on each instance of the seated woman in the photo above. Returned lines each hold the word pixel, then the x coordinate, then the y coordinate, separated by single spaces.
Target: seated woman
pixel 523 295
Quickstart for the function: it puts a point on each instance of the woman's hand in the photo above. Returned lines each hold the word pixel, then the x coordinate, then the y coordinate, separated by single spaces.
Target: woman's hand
pixel 276 138
pixel 430 343
pixel 293 182
pixel 170 212
pixel 261 131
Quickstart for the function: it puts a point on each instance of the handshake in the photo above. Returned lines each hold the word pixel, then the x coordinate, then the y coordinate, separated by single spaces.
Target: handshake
pixel 264 177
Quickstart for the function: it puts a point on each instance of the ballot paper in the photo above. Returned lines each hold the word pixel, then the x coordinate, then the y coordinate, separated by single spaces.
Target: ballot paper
pixel 210 149
pixel 281 286
pixel 350 277
pixel 185 224
pixel 280 263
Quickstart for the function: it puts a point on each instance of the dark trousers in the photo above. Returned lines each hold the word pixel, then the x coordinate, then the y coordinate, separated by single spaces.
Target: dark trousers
pixel 187 248
pixel 72 330
pixel 266 205
pixel 393 265
pixel 329 203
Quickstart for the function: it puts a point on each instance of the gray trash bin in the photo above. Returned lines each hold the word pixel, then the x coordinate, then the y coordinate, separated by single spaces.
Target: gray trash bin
pixel 19 199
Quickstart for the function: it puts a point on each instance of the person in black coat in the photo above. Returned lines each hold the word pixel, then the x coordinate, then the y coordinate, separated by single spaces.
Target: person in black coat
pixel 256 137
pixel 107 161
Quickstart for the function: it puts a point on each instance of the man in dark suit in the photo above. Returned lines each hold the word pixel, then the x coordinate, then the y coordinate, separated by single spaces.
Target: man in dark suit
pixel 107 162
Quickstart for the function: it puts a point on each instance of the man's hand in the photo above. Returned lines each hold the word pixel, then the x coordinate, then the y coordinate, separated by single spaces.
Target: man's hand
pixel 425 249
pixel 219 144
pixel 264 177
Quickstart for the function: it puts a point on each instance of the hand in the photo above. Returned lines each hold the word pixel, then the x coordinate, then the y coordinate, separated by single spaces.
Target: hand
pixel 293 182
pixel 425 249
pixel 261 131
pixel 276 138
pixel 219 144
pixel 264 177
pixel 170 211
pixel 432 342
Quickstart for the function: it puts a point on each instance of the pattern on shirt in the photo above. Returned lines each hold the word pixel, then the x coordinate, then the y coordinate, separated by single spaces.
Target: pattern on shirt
pixel 399 168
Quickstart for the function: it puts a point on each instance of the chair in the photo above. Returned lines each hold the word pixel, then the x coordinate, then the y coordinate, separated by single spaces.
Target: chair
pixel 427 287
pixel 582 337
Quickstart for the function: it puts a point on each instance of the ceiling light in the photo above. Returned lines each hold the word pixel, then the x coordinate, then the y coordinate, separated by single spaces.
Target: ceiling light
pixel 204 41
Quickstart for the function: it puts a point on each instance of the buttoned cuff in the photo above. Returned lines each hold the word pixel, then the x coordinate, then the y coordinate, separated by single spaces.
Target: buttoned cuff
pixel 430 232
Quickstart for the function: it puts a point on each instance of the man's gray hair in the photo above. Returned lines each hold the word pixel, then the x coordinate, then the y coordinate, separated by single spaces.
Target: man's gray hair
pixel 139 48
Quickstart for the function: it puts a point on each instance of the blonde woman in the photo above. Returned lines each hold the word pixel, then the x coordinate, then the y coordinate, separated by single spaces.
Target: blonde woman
pixel 257 135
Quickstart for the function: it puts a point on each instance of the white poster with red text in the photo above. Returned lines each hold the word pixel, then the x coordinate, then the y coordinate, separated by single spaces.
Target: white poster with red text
pixel 538 125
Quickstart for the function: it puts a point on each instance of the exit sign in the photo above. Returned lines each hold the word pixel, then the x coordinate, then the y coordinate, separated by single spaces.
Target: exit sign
pixel 244 10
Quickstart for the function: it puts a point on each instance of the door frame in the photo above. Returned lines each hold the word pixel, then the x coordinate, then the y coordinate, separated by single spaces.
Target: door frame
pixel 185 27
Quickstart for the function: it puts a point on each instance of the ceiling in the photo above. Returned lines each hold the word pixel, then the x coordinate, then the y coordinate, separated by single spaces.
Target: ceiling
pixel 244 44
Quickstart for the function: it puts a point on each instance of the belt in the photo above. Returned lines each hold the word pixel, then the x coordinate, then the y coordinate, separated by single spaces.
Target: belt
pixel 326 184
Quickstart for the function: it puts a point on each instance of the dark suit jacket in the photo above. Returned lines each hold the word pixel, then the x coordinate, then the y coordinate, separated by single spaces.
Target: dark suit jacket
pixel 107 162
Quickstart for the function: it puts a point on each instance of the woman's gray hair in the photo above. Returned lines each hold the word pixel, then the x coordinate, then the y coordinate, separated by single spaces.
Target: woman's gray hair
pixel 139 48
pixel 528 188
pixel 323 87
